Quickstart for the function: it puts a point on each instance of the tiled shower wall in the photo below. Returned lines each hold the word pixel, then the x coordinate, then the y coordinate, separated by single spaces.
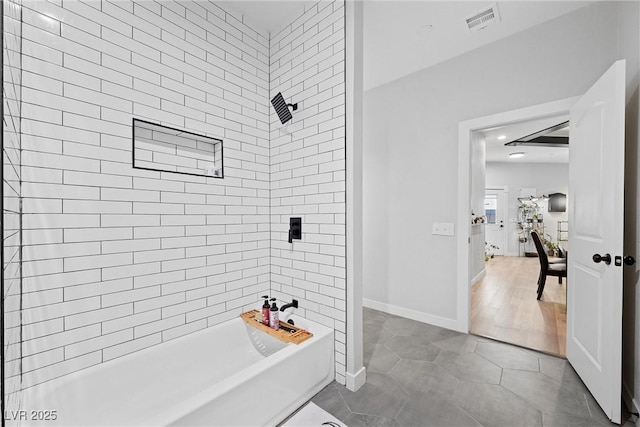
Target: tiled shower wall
pixel 118 259
pixel 11 284
pixel 308 168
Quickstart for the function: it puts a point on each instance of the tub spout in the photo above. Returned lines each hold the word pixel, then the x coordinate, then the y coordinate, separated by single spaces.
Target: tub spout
pixel 293 304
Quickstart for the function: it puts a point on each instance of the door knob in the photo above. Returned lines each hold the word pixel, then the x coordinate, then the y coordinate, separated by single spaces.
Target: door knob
pixel 606 258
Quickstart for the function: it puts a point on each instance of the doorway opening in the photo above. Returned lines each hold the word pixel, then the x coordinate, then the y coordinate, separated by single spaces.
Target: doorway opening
pixel 503 301
pixel 502 292
pixel 596 207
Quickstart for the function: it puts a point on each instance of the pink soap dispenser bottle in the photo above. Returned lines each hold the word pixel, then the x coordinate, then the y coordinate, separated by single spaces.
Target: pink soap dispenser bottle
pixel 273 316
pixel 265 310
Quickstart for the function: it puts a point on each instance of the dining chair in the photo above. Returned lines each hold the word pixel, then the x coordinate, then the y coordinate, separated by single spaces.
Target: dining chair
pixel 558 269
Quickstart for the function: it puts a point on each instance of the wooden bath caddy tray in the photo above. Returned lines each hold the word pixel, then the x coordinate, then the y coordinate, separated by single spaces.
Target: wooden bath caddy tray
pixel 299 335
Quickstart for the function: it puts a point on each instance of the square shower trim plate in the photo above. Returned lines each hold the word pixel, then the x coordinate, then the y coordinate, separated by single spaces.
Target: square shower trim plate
pixel 297 336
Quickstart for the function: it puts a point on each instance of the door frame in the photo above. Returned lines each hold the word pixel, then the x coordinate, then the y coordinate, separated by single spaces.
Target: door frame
pixel 463 240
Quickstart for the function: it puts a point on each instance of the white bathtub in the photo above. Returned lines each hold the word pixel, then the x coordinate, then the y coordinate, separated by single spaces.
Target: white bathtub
pixel 227 375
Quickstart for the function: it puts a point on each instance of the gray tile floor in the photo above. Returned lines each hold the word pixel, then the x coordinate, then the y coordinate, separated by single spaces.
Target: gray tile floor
pixel 423 375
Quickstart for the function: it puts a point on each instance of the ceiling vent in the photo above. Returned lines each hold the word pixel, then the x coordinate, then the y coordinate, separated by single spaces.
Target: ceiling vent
pixel 483 18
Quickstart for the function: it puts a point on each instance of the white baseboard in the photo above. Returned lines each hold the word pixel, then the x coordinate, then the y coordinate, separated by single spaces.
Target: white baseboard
pixel 479 276
pixel 431 319
pixel 357 380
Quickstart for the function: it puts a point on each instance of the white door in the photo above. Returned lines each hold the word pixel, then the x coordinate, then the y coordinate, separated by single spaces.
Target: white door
pixel 596 201
pixel 495 205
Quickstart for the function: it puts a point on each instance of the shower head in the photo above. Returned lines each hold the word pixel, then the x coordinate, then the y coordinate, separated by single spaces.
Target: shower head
pixel 282 108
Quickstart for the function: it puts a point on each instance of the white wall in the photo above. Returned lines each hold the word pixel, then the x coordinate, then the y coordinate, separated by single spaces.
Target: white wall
pixel 411 152
pixel 354 53
pixel 546 178
pixel 308 169
pixel 119 259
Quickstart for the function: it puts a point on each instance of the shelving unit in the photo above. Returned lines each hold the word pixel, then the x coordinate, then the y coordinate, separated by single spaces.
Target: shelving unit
pixel 529 219
pixel 563 231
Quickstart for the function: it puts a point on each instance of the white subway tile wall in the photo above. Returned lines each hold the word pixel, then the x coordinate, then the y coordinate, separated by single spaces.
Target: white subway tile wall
pixel 11 232
pixel 308 168
pixel 118 259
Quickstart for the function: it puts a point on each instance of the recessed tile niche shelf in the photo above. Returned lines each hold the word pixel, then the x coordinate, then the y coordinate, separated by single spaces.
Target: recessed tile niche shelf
pixel 162 148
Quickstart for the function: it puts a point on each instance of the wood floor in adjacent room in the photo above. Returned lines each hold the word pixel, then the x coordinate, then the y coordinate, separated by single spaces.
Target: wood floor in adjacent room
pixel 504 306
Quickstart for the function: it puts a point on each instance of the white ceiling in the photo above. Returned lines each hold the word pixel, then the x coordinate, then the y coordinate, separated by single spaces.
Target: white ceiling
pixel 267 15
pixel 498 152
pixel 403 37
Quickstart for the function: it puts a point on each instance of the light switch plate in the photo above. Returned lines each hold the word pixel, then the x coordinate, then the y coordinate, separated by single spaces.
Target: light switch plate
pixel 448 229
pixel 443 228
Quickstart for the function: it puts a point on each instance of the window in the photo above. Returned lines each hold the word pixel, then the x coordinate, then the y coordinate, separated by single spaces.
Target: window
pixel 490 207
